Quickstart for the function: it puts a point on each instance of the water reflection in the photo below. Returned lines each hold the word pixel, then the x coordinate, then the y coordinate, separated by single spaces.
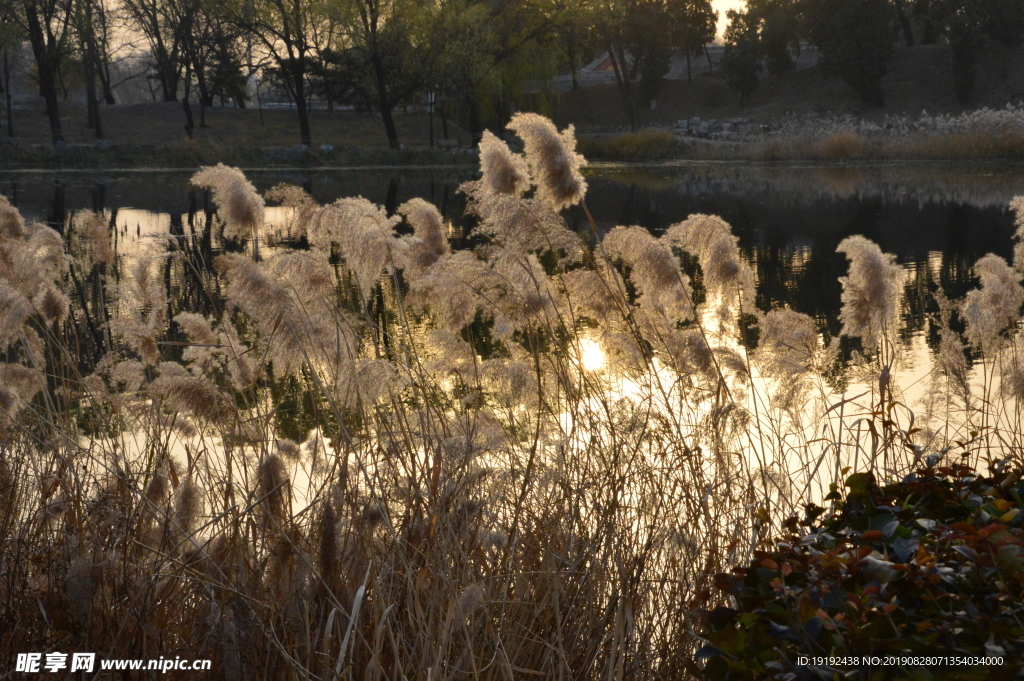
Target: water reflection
pixel 938 219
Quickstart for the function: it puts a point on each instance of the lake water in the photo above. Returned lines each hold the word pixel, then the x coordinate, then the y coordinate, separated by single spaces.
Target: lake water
pixel 936 218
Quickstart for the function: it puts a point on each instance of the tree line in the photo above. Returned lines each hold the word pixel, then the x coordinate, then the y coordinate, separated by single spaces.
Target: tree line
pixel 372 54
pixel 856 39
pixel 379 55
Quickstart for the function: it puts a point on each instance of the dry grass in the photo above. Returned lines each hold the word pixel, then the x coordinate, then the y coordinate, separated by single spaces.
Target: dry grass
pixel 382 458
pixel 844 145
pixel 647 144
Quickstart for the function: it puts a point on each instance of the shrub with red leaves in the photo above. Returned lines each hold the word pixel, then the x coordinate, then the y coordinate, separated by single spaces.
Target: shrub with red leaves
pixel 930 566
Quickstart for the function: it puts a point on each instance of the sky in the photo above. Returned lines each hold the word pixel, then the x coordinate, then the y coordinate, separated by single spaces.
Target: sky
pixel 721 6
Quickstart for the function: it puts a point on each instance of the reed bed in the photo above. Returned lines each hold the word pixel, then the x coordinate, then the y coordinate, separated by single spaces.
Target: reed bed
pixel 399 452
pixel 983 134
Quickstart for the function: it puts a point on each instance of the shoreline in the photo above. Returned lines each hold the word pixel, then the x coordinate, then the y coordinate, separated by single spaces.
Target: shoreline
pixel 752 155
pixel 594 166
pixel 652 147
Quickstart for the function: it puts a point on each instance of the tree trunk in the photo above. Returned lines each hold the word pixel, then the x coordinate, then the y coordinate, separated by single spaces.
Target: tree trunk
pixel 570 49
pixel 167 69
pixel 299 91
pixel 624 89
pixel 389 127
pixel 169 87
pixel 203 95
pixel 908 34
pixel 476 126
pixel 108 93
pixel 190 126
pixel 91 102
pixel 47 63
pixel 689 70
pixel 384 104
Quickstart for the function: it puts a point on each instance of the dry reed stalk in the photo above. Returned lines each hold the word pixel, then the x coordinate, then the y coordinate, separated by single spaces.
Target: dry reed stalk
pixel 398 460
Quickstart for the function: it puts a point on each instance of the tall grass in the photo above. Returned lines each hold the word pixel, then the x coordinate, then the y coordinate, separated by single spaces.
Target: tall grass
pixel 387 457
pixel 983 134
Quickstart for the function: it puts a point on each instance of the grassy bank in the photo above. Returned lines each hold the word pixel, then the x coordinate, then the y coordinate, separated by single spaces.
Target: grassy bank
pixel 646 145
pixel 151 136
pixel 190 155
pixel 663 144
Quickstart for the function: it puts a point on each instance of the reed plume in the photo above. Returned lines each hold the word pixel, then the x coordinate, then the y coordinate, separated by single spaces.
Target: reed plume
pixel 274 490
pixel 294 322
pixel 552 159
pixel 11 224
pixel 871 291
pixel 726 274
pixel 988 311
pixel 194 395
pixel 18 385
pixel 142 313
pixel 502 172
pixel 95 231
pixel 241 207
pixel 653 270
pixel 466 483
pixel 365 236
pixel 429 240
pixel 1017 206
pixel 32 269
pixel 788 351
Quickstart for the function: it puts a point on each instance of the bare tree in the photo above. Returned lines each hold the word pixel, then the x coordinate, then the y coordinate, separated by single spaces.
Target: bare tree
pixel 379 55
pixel 284 28
pixel 88 46
pixel 164 24
pixel 48 26
pixel 10 38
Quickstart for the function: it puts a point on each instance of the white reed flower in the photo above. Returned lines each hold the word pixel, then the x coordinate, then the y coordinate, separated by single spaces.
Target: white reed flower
pixel 194 395
pixel 552 158
pixel 365 236
pixel 789 342
pixel 995 306
pixel 95 231
pixel 502 172
pixel 289 298
pixel 788 351
pixel 11 224
pixel 654 270
pixel 871 291
pixel 15 310
pixel 430 233
pixel 18 385
pixel 454 288
pixel 710 238
pixel 241 206
pixel 592 292
pixel 141 315
pixel 1017 206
